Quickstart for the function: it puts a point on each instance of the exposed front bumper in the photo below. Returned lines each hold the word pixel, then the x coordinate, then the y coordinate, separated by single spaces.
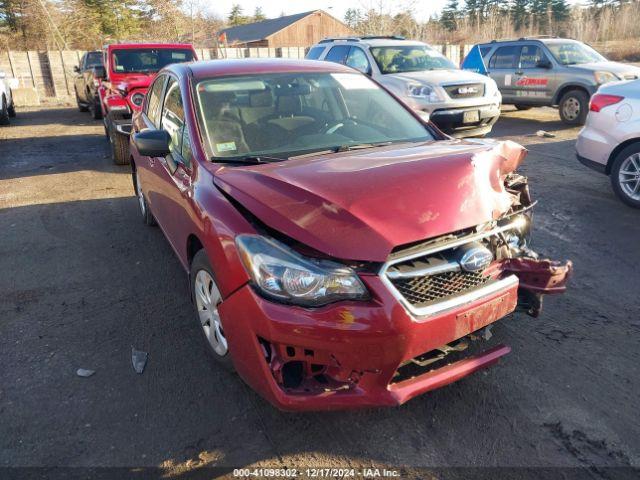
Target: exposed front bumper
pixel 455 121
pixel 356 348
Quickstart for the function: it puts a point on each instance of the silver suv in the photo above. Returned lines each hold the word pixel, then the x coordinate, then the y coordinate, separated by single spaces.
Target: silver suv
pixel 460 103
pixel 540 71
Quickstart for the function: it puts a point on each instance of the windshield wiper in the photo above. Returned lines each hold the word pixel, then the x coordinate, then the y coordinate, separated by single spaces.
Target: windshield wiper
pixel 248 160
pixel 359 146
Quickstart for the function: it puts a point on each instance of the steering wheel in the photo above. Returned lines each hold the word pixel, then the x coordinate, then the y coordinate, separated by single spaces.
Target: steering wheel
pixel 334 127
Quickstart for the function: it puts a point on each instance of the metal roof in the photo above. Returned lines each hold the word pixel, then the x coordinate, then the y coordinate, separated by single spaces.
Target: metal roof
pixel 252 32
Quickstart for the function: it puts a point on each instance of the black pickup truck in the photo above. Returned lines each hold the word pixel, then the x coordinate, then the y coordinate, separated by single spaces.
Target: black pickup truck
pixel 85 75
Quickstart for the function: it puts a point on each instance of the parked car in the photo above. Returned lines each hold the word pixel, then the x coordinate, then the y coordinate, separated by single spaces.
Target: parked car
pixel 341 251
pixel 7 108
pixel 460 103
pixel 128 71
pixel 83 83
pixel 610 141
pixel 558 72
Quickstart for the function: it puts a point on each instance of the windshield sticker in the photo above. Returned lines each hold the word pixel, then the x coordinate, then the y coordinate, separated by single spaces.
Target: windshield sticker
pixel 226 147
pixel 350 81
pixel 178 56
pixel 232 86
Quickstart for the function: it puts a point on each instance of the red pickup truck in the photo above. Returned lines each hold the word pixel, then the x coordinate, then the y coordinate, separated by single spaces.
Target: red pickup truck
pixel 122 84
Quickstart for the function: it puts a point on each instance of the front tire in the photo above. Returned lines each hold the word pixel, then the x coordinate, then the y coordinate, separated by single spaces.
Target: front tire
pixel 147 216
pixel 574 106
pixel 206 298
pixel 95 109
pixel 12 111
pixel 523 107
pixel 81 106
pixel 119 146
pixel 625 175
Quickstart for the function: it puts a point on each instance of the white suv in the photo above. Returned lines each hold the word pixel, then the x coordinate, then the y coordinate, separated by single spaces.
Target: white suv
pixel 610 140
pixel 459 102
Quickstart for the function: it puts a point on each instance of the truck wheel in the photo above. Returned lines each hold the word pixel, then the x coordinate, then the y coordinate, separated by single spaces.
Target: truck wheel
pixel 4 112
pixel 81 106
pixel 523 107
pixel 94 108
pixel 574 106
pixel 119 146
pixel 625 175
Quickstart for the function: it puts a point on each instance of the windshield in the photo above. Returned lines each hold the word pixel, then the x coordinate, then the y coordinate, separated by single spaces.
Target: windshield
pixel 409 58
pixel 94 59
pixel 282 115
pixel 144 60
pixel 573 53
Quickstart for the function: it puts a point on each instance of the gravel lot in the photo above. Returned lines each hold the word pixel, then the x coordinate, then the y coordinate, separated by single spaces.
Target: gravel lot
pixel 82 280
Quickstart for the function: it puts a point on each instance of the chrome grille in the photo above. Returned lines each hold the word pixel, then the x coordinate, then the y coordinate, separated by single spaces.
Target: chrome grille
pixel 467 90
pixel 427 289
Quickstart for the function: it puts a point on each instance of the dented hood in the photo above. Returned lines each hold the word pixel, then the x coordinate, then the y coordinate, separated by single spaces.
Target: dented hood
pixel 360 205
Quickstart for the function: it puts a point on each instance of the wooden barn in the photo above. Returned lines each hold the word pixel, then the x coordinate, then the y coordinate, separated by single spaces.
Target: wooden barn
pixel 300 30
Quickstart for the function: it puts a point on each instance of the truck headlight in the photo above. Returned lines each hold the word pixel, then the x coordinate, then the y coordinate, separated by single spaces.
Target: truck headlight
pixel 423 92
pixel 605 77
pixel 284 275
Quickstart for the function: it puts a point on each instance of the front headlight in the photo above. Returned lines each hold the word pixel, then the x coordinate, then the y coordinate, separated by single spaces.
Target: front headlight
pixel 520 235
pixel 605 77
pixel 423 92
pixel 284 275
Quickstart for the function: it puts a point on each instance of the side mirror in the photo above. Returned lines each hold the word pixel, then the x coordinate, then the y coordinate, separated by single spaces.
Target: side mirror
pixel 76 69
pixel 152 143
pixel 544 63
pixel 99 72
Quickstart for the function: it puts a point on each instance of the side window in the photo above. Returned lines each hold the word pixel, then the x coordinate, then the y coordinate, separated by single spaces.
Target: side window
pixel 314 53
pixel 338 54
pixel 484 51
pixel 358 59
pixel 505 57
pixel 530 55
pixel 83 62
pixel 173 117
pixel 154 100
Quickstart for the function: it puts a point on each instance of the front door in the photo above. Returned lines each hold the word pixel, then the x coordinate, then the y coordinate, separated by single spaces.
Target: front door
pixel 532 80
pixel 502 68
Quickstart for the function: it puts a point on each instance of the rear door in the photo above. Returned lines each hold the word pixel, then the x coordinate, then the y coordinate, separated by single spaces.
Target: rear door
pixel 502 67
pixel 532 82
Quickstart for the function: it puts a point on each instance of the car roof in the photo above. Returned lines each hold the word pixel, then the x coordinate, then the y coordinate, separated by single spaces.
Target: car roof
pixel 529 39
pixel 218 68
pixel 149 45
pixel 372 42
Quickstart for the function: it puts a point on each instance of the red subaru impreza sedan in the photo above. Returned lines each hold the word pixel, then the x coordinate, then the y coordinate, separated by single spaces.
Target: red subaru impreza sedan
pixel 342 252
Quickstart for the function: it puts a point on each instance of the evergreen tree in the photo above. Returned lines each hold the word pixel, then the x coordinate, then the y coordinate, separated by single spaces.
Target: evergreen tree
pixel 449 17
pixel 258 15
pixel 235 15
pixel 520 14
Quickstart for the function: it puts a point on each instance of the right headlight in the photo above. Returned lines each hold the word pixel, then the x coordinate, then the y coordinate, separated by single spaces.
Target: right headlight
pixel 284 275
pixel 605 77
pixel 424 92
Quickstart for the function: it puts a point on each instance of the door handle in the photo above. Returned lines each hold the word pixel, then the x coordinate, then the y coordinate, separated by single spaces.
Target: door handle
pixel 519 72
pixel 152 161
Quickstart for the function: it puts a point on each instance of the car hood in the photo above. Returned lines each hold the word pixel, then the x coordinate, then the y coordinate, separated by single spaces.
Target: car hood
pixel 360 205
pixel 442 77
pixel 621 69
pixel 133 82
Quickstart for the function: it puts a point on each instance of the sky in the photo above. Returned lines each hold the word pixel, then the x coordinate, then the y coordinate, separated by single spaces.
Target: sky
pixel 422 9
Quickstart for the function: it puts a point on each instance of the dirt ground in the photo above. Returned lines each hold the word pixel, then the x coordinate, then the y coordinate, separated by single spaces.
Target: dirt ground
pixel 82 280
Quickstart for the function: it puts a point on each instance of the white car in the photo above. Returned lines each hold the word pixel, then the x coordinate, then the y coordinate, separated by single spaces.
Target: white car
pixel 7 109
pixel 459 102
pixel 610 140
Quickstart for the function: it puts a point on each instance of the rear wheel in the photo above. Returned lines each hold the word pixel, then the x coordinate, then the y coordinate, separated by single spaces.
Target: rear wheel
pixel 573 107
pixel 4 112
pixel 12 110
pixel 523 107
pixel 206 299
pixel 625 175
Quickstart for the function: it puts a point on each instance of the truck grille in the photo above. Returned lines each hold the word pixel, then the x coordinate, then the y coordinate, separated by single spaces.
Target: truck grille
pixel 466 90
pixel 421 291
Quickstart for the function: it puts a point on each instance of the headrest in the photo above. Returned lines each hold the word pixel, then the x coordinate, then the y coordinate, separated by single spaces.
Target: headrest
pixel 261 99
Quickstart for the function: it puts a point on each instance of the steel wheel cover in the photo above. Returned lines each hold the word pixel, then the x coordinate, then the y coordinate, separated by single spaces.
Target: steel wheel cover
pixel 208 298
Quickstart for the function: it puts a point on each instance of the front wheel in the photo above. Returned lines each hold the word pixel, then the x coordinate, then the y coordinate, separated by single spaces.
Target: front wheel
pixel 81 106
pixel 12 111
pixel 625 175
pixel 147 216
pixel 119 145
pixel 95 109
pixel 206 299
pixel 573 107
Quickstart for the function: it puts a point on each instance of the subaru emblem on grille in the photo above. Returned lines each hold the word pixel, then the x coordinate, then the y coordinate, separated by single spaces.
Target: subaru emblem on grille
pixel 476 258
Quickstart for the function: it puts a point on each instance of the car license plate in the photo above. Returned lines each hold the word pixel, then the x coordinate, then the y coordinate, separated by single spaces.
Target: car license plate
pixel 483 315
pixel 472 116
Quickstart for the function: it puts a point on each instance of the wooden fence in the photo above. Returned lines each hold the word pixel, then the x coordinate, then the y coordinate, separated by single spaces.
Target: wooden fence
pixel 47 76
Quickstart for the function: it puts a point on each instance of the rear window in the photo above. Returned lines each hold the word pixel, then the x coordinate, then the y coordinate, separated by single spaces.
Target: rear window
pixel 314 53
pixel 143 60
